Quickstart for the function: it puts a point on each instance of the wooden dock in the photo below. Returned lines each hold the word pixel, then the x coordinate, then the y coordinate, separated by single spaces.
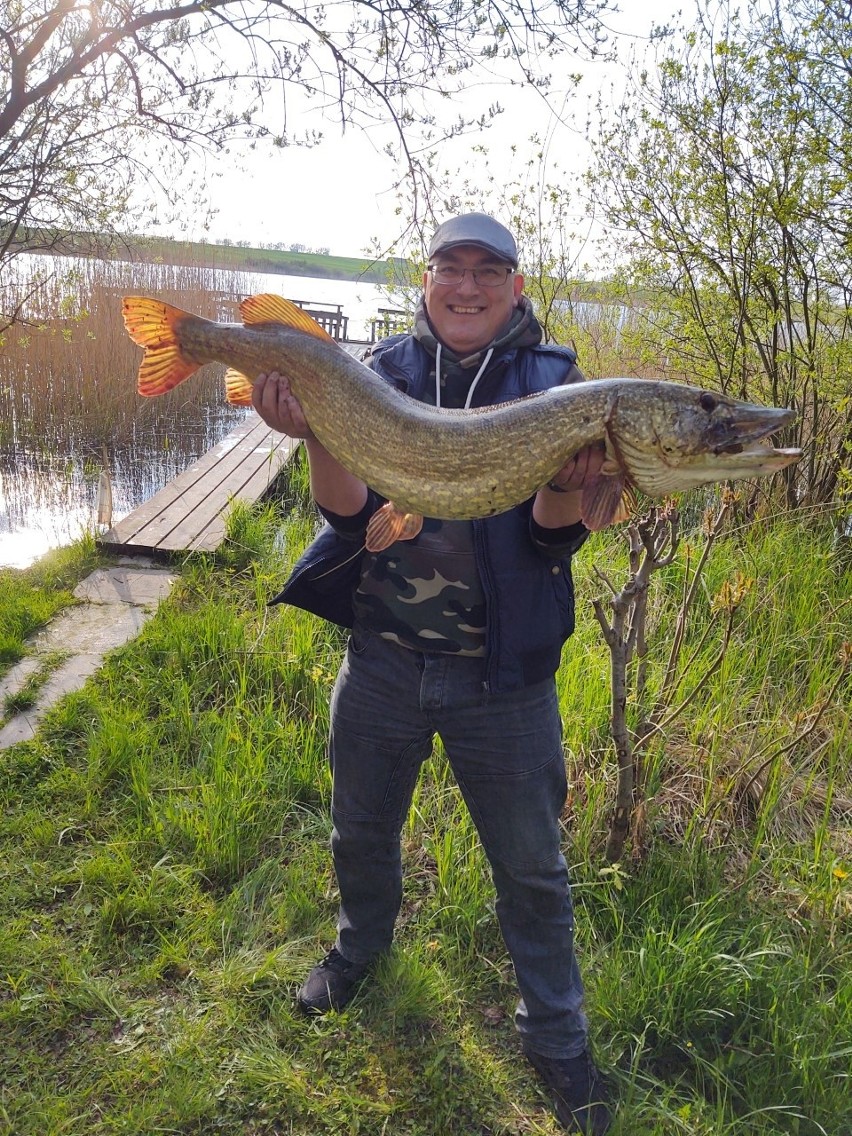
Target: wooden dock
pixel 188 514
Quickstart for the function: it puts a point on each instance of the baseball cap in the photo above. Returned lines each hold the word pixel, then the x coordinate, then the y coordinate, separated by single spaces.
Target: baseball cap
pixel 475 229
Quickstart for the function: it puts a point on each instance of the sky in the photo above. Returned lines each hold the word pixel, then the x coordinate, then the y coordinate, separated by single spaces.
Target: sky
pixel 339 195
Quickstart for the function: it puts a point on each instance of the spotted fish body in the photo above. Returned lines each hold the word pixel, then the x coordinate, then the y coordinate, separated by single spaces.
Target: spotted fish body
pixel 660 437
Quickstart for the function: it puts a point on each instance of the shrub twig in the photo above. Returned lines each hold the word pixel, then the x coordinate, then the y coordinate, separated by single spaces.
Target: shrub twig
pixel 653 542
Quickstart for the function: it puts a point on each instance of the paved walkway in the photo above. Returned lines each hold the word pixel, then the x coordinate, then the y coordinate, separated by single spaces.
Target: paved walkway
pixel 116 602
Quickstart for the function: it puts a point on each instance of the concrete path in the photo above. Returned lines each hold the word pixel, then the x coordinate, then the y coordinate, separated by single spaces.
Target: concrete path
pixel 116 603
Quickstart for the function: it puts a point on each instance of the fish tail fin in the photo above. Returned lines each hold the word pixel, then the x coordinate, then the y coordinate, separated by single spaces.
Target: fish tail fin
pixel 238 388
pixel 154 325
pixel 389 524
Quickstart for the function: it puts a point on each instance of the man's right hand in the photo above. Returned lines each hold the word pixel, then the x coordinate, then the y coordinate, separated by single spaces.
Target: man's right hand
pixel 278 406
pixel 332 486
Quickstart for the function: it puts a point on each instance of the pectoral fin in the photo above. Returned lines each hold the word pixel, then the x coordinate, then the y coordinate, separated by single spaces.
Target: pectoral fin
pixel 389 524
pixel 607 499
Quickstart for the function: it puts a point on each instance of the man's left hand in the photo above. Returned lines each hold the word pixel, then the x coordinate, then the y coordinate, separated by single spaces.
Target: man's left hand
pixel 585 464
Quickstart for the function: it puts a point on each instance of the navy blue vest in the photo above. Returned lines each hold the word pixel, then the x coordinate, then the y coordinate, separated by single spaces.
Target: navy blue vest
pixel 529 595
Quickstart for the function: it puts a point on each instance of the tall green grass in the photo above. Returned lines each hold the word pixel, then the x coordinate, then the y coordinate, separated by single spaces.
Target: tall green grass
pixel 167 882
pixel 30 598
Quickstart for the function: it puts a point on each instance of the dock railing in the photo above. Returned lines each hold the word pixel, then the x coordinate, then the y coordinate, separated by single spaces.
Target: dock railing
pixel 389 321
pixel 329 317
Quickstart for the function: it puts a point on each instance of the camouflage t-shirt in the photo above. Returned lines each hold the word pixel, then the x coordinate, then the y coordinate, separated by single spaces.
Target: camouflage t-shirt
pixel 426 593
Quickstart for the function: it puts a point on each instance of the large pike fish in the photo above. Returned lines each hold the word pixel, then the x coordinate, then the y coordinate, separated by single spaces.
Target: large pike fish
pixel 660 437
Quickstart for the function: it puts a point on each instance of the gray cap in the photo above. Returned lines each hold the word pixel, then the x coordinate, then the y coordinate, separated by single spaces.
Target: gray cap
pixel 475 229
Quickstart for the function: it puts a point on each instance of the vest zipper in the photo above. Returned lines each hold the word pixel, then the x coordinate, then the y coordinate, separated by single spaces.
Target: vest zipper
pixel 491 637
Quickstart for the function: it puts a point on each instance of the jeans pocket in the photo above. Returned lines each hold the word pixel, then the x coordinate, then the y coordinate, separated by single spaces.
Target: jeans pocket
pixel 517 815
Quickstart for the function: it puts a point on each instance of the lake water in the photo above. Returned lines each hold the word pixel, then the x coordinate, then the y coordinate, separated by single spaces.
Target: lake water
pixel 65 417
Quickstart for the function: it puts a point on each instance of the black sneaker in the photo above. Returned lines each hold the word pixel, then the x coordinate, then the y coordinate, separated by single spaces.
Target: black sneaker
pixel 579 1094
pixel 331 985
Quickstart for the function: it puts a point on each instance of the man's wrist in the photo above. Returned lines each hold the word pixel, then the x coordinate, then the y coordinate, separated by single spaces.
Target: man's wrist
pixel 553 510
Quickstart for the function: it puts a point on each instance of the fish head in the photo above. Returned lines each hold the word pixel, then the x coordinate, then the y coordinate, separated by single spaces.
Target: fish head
pixel 669 437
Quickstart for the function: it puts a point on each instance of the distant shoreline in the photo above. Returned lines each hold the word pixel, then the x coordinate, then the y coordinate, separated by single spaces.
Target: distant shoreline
pixel 392 272
pixel 232 258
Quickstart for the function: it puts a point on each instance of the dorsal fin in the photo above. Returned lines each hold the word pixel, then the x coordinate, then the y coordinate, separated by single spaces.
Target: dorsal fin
pixel 268 308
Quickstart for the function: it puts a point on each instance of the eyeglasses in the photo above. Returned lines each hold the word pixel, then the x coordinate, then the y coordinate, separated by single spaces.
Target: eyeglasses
pixel 491 276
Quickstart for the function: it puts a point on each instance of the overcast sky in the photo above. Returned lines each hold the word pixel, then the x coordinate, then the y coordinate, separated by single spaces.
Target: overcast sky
pixel 338 194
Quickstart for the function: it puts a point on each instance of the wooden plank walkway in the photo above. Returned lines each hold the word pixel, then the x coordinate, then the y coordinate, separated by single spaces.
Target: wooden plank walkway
pixel 188 514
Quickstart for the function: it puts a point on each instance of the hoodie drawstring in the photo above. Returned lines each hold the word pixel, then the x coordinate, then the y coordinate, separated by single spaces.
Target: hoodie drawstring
pixel 476 377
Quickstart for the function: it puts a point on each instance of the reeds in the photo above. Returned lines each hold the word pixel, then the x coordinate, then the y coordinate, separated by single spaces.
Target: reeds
pixel 70 366
pixel 68 393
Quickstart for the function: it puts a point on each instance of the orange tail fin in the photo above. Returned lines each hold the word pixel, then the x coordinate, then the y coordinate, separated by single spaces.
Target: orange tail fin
pixel 153 325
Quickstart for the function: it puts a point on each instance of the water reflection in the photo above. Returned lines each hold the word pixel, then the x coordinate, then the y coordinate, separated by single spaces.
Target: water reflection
pixel 68 401
pixel 49 490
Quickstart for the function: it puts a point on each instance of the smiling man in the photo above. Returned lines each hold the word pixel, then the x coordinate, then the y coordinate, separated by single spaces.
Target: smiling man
pixel 470 291
pixel 458 633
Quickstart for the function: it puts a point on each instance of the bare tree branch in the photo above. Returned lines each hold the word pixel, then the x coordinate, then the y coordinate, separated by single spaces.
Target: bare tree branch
pixel 144 75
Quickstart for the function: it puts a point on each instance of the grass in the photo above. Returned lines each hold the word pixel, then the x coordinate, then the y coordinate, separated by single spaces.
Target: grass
pixel 30 598
pixel 27 693
pixel 166 881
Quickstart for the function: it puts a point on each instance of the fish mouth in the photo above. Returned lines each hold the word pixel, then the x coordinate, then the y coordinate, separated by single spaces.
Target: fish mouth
pixel 736 463
pixel 762 455
pixel 743 450
pixel 748 450
pixel 747 425
pixel 730 449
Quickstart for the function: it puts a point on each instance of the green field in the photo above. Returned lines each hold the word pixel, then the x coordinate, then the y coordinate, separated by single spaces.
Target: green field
pixel 166 877
pixel 238 258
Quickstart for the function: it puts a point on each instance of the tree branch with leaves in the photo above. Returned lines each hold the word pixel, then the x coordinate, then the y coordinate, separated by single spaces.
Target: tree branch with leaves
pixel 721 173
pixel 101 98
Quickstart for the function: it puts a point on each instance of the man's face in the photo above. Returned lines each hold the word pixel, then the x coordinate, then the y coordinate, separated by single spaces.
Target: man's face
pixel 467 316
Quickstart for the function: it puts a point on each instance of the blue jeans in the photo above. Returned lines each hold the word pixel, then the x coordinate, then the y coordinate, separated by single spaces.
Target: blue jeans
pixel 506 755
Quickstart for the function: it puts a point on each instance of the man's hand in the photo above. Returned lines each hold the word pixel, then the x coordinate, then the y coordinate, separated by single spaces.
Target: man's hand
pixel 585 464
pixel 278 406
pixel 332 486
pixel 559 503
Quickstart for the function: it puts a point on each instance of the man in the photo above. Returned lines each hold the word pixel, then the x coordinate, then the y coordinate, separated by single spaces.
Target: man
pixel 456 632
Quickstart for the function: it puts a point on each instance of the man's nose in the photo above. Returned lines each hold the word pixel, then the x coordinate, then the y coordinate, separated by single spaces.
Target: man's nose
pixel 467 284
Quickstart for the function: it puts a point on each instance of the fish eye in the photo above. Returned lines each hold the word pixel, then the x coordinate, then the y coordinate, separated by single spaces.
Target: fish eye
pixel 707 401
